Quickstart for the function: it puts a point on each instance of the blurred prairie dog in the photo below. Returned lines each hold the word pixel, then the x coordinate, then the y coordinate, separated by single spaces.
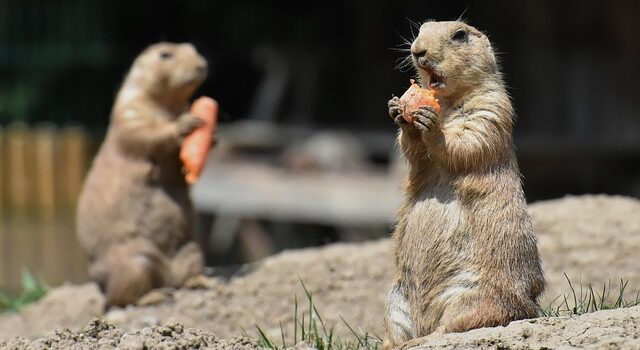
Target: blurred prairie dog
pixel 464 246
pixel 135 217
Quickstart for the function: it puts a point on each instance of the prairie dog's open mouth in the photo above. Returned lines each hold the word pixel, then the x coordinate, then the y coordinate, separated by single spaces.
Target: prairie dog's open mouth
pixel 433 79
pixel 196 76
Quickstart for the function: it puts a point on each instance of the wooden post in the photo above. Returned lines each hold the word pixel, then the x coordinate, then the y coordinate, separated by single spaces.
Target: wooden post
pixel 3 216
pixel 74 166
pixel 3 160
pixel 18 188
pixel 45 164
pixel 21 175
pixel 47 236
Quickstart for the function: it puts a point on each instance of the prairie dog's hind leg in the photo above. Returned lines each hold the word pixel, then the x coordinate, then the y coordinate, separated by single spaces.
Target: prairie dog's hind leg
pixel 130 270
pixel 483 310
pixel 397 324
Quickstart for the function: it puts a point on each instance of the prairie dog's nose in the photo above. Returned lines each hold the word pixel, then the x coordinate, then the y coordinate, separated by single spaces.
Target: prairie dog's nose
pixel 202 67
pixel 420 56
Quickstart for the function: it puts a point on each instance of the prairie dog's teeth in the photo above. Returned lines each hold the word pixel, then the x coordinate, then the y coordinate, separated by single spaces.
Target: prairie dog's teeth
pixel 427 82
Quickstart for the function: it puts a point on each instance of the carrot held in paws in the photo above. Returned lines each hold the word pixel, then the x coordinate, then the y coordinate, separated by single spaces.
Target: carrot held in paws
pixel 196 145
pixel 416 97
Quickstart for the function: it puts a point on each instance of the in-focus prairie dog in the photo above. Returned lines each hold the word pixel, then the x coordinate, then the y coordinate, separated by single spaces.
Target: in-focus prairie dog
pixel 134 215
pixel 464 245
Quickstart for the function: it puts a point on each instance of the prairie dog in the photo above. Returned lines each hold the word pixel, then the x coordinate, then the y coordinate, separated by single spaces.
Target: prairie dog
pixel 134 216
pixel 464 245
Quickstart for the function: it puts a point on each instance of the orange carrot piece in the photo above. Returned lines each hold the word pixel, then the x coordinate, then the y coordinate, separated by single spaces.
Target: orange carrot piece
pixel 196 145
pixel 416 97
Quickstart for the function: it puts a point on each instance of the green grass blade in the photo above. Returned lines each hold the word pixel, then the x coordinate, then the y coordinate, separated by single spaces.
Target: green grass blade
pixel 355 334
pixel 264 340
pixel 284 343
pixel 295 320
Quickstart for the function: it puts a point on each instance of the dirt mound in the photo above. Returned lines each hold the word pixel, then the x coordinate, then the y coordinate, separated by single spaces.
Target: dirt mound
pixel 611 329
pixel 102 335
pixel 342 278
pixel 594 238
pixel 349 280
pixel 68 306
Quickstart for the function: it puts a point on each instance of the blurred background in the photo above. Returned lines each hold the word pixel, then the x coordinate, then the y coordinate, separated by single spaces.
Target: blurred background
pixel 306 153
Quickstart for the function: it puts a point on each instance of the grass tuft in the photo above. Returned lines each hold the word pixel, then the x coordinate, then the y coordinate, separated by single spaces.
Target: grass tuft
pixel 587 299
pixel 312 330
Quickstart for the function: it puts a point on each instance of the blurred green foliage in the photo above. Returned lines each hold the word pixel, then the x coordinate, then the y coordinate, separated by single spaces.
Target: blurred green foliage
pixel 32 290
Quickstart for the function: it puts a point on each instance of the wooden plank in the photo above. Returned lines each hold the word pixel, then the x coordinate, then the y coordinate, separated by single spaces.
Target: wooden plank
pixel 45 162
pixel 76 163
pixel 17 173
pixel 45 244
pixel 252 190
pixel 4 217
pixel 3 160
pixel 3 214
pixel 28 245
pixel 20 176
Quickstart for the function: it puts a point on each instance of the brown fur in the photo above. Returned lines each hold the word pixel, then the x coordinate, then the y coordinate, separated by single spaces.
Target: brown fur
pixel 464 245
pixel 134 215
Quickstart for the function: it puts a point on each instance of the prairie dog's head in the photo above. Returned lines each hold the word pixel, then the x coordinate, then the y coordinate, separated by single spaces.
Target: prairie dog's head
pixel 167 71
pixel 452 57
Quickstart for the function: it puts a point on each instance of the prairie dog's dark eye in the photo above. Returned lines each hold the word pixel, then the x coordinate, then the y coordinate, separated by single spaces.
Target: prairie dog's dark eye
pixel 165 55
pixel 460 35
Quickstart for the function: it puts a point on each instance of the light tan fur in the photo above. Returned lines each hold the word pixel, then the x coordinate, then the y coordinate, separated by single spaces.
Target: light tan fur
pixel 135 217
pixel 464 245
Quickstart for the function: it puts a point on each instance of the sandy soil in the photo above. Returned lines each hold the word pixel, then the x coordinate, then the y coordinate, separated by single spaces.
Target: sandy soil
pixel 102 335
pixel 592 238
pixel 610 329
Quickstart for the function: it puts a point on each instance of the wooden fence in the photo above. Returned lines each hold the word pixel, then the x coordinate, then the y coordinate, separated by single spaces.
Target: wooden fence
pixel 41 173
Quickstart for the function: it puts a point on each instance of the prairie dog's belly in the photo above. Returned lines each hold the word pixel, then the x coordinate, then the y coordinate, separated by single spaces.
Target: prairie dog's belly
pixel 117 207
pixel 436 233
pixel 163 215
pixel 435 218
pixel 168 219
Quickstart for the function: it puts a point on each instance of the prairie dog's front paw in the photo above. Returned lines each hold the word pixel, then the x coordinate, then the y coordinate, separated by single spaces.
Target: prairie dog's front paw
pixel 426 120
pixel 396 110
pixel 187 123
